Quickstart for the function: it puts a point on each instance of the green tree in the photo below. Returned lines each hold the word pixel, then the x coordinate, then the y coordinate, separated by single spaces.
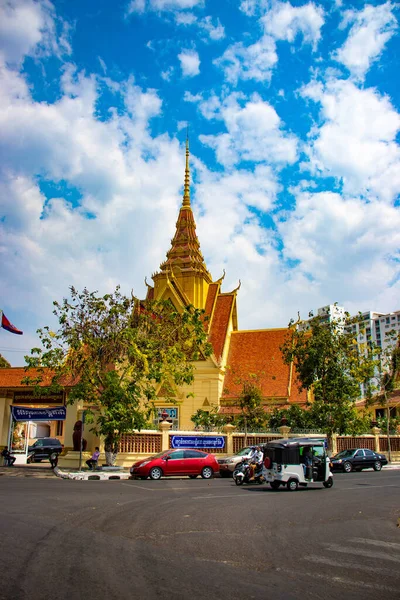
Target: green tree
pixel 113 352
pixel 330 364
pixel 4 364
pixel 208 419
pixel 252 415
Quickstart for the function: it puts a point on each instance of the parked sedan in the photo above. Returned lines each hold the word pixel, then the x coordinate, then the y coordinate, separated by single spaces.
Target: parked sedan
pixel 357 459
pixel 228 465
pixel 176 462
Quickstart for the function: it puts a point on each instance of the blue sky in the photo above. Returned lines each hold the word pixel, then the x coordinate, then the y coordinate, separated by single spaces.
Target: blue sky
pixel 293 112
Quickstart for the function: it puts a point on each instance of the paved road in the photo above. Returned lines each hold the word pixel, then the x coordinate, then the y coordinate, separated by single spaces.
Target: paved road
pixel 193 539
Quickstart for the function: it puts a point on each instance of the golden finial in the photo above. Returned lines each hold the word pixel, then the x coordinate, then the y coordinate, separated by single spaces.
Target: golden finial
pixel 186 191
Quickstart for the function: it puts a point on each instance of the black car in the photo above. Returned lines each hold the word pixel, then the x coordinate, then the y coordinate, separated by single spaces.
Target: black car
pixel 357 459
pixel 43 448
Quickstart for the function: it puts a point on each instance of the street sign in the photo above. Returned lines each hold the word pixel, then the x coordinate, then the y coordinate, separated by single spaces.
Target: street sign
pixel 194 441
pixel 20 413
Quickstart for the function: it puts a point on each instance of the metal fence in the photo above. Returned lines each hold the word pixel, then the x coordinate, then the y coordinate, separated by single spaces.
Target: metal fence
pixel 394 444
pixel 138 443
pixel 252 440
pixel 347 442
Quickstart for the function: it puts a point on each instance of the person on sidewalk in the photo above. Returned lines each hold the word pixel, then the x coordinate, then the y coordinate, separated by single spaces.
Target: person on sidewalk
pixel 92 462
pixel 8 458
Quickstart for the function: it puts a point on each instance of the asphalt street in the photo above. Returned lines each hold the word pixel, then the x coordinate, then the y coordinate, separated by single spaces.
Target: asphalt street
pixel 195 539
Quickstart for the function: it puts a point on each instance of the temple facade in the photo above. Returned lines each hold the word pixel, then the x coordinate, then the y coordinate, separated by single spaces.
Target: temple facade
pixel 183 278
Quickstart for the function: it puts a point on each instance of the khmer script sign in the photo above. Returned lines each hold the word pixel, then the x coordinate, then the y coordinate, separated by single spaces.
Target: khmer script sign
pixel 194 441
pixel 20 413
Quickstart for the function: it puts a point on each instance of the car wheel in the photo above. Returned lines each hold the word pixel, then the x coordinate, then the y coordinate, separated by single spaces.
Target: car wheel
pixel 207 473
pixel 328 483
pixel 192 476
pixel 275 485
pixel 377 465
pixel 347 467
pixel 292 485
pixel 155 473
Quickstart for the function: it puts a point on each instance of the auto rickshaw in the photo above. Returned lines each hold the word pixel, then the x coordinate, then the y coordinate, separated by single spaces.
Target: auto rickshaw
pixel 296 462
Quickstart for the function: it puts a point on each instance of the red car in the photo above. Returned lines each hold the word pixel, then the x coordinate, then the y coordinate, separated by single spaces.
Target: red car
pixel 176 462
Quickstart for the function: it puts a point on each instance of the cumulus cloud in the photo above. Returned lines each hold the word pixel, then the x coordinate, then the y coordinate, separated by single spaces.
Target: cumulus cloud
pixel 371 28
pixel 281 21
pixel 356 141
pixel 346 244
pixel 254 132
pixel 255 61
pixel 29 28
pixel 140 6
pixel 285 22
pixel 190 62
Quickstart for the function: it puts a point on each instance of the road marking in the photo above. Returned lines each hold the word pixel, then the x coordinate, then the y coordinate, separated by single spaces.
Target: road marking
pixel 347 566
pixel 361 584
pixel 364 487
pixel 376 543
pixel 361 552
pixel 205 497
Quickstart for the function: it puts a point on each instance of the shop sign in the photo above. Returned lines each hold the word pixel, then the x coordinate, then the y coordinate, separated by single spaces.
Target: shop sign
pixel 20 413
pixel 29 397
pixel 194 441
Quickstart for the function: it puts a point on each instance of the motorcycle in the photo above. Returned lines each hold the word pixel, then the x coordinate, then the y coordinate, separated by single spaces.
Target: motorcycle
pixel 242 474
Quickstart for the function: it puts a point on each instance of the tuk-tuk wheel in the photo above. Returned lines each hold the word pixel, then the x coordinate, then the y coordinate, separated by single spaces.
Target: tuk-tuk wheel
pixel 275 485
pixel 329 482
pixel 292 485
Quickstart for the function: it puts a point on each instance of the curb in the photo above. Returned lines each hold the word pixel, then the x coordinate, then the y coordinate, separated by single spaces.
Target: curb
pixel 91 476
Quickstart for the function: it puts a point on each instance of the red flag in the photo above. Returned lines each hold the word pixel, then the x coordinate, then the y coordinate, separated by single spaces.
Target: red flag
pixel 5 323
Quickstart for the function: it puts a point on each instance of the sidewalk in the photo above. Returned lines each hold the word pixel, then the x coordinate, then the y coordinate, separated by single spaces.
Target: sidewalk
pixel 39 471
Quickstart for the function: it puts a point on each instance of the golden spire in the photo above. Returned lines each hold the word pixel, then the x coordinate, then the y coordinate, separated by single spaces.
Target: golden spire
pixel 186 191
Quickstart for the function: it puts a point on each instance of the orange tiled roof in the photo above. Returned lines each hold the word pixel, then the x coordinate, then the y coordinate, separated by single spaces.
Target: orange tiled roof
pixel 258 352
pixel 220 323
pixel 12 377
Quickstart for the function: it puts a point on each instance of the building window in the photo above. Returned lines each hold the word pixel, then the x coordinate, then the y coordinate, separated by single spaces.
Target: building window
pixel 60 428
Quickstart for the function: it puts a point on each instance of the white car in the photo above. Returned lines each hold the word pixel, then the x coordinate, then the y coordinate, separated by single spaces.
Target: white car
pixel 227 465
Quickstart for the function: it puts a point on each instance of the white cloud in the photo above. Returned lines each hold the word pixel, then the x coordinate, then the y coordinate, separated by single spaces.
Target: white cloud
pixel 284 22
pixel 372 27
pixel 356 141
pixel 254 133
pixel 140 6
pixel 190 62
pixel 167 74
pixel 345 246
pixel 29 28
pixel 215 30
pixel 249 62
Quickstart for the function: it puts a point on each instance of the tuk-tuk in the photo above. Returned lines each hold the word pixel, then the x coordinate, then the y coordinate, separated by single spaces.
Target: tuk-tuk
pixel 297 461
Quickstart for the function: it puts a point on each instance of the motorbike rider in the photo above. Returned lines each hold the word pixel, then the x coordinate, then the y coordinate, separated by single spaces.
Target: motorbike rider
pixel 256 459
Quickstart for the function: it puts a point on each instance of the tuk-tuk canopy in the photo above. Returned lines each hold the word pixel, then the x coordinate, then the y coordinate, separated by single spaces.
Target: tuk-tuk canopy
pixel 291 451
pixel 295 443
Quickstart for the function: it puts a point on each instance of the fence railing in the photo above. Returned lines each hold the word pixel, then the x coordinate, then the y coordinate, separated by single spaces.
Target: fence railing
pixel 252 440
pixel 347 443
pixel 141 443
pixel 394 444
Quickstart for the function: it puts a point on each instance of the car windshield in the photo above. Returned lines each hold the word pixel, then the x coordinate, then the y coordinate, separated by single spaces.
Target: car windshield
pixel 345 454
pixel 160 454
pixel 244 451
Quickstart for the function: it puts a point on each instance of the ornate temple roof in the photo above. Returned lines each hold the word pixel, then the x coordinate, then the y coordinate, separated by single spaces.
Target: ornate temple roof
pixel 184 255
